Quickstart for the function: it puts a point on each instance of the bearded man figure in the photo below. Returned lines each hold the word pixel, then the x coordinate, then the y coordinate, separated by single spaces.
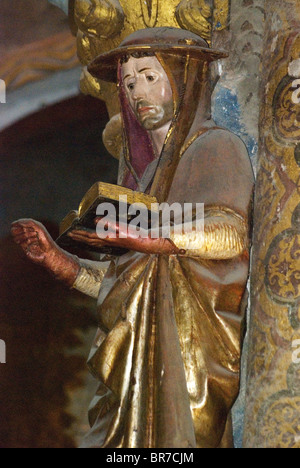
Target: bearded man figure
pixel 167 353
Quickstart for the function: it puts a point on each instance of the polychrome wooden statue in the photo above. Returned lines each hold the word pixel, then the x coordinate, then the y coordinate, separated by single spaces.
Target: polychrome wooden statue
pixel 171 310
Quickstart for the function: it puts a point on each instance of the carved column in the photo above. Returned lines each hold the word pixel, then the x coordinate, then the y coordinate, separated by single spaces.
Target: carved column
pixel 273 395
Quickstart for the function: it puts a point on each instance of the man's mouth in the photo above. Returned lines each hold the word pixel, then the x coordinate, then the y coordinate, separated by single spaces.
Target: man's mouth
pixel 144 109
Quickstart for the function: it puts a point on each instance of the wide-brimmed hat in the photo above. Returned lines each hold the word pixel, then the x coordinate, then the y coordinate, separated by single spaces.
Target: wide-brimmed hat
pixel 173 41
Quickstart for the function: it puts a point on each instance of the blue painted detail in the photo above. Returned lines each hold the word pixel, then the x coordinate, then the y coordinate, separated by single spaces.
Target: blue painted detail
pixel 238 425
pixel 227 113
pixel 63 4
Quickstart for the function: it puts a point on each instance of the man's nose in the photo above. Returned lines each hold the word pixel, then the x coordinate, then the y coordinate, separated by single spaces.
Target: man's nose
pixel 139 90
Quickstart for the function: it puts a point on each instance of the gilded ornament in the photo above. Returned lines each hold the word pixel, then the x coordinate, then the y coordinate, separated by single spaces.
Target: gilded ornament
pixel 103 19
pixel 150 12
pixel 103 24
pixel 272 406
pixel 112 136
pixel 283 110
pixel 283 269
pixel 196 16
pixel 281 410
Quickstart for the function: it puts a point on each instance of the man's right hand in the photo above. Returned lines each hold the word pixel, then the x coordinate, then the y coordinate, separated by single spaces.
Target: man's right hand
pixel 41 249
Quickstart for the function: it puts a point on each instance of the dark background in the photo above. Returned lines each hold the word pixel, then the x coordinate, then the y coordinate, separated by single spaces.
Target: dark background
pixel 47 163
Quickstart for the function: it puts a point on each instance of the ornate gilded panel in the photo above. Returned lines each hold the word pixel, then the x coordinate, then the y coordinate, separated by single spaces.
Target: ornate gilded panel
pixel 273 401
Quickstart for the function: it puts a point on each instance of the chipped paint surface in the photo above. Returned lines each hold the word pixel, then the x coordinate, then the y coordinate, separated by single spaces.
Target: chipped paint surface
pixel 273 396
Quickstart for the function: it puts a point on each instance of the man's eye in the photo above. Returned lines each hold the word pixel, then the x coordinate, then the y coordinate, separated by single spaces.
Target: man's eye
pixel 150 78
pixel 130 86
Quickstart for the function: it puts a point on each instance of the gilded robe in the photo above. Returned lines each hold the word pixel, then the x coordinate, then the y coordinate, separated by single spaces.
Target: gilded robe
pixel 167 353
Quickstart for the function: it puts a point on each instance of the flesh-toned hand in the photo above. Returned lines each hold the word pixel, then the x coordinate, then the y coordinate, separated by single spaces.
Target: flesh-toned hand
pixel 120 235
pixel 40 248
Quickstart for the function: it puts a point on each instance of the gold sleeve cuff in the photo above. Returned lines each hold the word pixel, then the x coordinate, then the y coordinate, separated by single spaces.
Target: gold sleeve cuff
pixel 90 278
pixel 225 236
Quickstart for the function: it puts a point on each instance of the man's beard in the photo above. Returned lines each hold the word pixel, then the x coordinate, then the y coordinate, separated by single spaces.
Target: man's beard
pixel 156 117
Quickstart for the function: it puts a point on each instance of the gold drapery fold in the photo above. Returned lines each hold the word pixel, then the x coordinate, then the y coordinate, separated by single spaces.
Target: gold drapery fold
pixel 168 357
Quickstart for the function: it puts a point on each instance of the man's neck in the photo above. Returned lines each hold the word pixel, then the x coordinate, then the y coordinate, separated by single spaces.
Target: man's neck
pixel 158 138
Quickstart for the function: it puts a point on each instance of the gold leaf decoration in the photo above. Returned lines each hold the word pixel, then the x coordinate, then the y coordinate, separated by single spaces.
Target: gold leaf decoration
pixel 102 19
pixel 103 24
pixel 196 16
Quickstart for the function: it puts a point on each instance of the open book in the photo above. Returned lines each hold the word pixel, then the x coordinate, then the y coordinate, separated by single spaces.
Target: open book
pixel 84 218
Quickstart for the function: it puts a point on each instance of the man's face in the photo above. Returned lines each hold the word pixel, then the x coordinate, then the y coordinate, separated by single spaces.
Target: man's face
pixel 148 91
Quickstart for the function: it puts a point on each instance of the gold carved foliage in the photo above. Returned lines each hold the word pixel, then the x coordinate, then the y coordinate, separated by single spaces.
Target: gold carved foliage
pixel 192 13
pixel 100 19
pixel 283 411
pixel 287 96
pixel 279 171
pixel 283 268
pixel 287 111
pixel 282 278
pixel 283 96
pixel 103 24
pixel 277 196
